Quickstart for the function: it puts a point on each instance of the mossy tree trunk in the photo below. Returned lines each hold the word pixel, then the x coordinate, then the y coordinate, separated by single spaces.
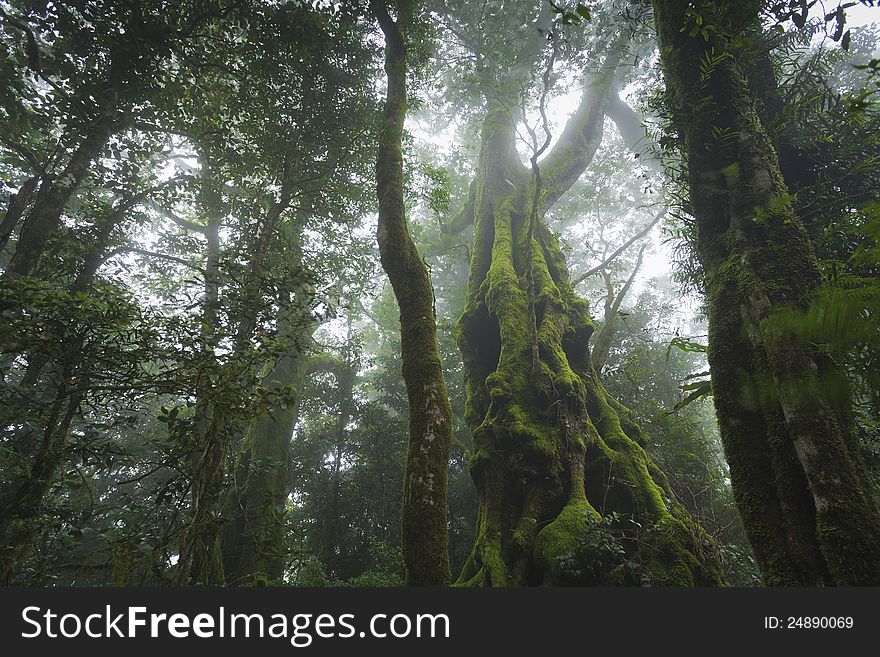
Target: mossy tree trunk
pixel 553 452
pixel 253 531
pixel 423 522
pixel 782 404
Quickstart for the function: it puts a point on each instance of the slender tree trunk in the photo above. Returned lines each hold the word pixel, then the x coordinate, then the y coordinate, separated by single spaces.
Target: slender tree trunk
pixel 782 404
pixel 345 379
pixel 251 540
pixel 55 192
pixel 552 450
pixel 201 559
pixel 605 337
pixel 424 524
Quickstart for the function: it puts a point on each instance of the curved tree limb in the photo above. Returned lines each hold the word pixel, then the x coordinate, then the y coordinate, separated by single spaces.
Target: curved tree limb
pixel 464 217
pixel 582 134
pixel 631 127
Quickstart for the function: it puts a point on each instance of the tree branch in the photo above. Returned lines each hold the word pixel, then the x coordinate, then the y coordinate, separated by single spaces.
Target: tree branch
pixel 465 216
pixel 632 128
pixel 154 254
pixel 180 221
pixel 602 345
pixel 33 52
pixel 607 261
pixel 24 152
pixel 582 134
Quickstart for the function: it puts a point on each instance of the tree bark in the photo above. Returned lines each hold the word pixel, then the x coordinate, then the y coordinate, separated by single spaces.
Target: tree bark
pixel 424 524
pixel 17 204
pixel 201 561
pixel 782 404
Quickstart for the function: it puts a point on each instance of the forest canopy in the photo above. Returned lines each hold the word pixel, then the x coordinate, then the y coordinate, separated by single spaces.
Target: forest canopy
pixel 451 292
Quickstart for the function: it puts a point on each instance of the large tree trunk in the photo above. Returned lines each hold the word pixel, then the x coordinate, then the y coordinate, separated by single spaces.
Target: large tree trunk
pixel 424 526
pixel 552 450
pixel 782 404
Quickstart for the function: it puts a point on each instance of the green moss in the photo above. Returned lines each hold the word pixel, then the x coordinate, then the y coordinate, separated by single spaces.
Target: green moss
pixel 675 553
pixel 563 537
pixel 524 534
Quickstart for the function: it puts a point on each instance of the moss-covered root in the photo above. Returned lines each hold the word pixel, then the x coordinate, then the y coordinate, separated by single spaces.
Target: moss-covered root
pixel 553 452
pixel 562 539
pixel 493 560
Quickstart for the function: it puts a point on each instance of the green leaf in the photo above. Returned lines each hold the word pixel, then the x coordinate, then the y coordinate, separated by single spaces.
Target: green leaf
pixel 699 390
pixel 694 376
pixel 685 344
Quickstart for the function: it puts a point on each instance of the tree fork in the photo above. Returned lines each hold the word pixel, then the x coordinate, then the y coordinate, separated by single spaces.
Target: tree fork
pixel 550 459
pixel 553 452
